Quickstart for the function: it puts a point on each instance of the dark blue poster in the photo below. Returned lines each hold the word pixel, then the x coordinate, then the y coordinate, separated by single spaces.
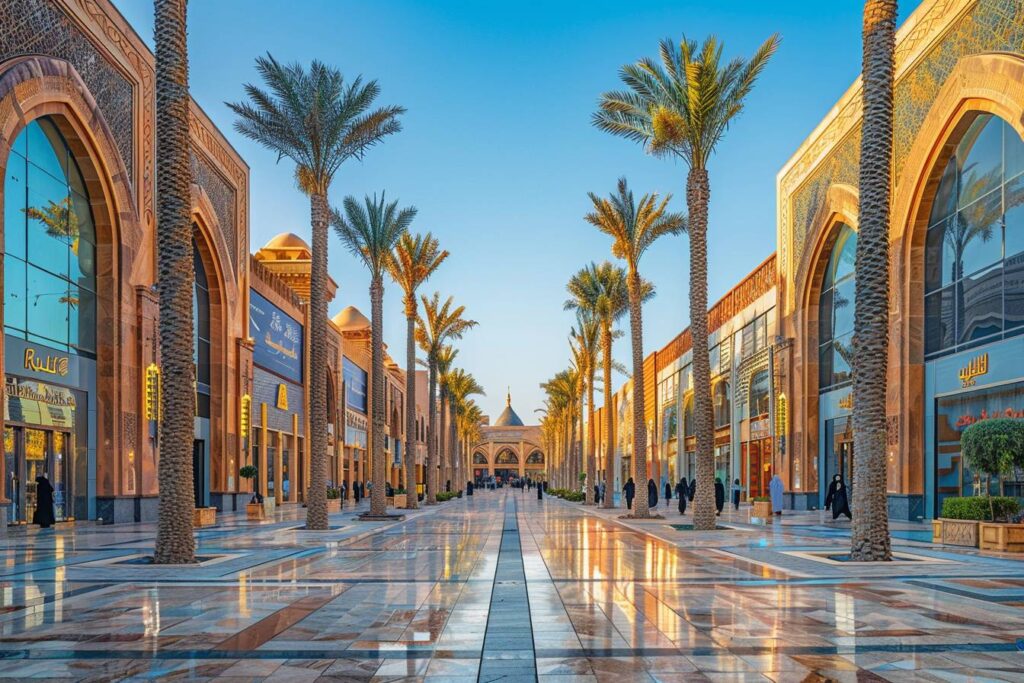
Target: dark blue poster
pixel 278 338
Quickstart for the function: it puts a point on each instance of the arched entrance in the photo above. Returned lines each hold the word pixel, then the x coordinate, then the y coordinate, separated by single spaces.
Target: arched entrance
pixel 506 465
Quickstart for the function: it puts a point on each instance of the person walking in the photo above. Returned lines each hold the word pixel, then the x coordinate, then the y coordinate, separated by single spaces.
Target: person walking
pixel 668 493
pixel 681 490
pixel 838 498
pixel 776 488
pixel 601 492
pixel 736 490
pixel 540 491
pixel 719 495
pixel 43 516
pixel 652 494
pixel 693 489
pixel 356 493
pixel 629 490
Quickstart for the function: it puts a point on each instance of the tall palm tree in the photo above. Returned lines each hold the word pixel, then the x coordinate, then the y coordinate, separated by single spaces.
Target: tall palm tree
pixel 869 538
pixel 587 339
pixel 634 227
pixel 318 121
pixel 563 407
pixel 371 229
pixel 469 418
pixel 439 323
pixel 175 543
pixel 461 385
pixel 414 261
pixel 682 107
pixel 602 290
pixel 445 365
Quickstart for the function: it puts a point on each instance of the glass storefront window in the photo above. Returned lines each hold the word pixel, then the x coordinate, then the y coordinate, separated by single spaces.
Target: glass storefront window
pixel 49 244
pixel 974 249
pixel 760 399
pixel 953 414
pixel 835 312
pixel 720 401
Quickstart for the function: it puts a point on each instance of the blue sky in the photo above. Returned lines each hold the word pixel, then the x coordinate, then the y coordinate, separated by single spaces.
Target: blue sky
pixel 498 153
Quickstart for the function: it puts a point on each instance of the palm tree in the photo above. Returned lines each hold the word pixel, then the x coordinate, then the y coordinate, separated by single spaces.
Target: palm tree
pixel 586 337
pixel 439 323
pixel 371 230
pixel 602 290
pixel 634 227
pixel 445 364
pixel 318 121
pixel 175 543
pixel 869 538
pixel 461 385
pixel 682 108
pixel 563 406
pixel 415 259
pixel 469 417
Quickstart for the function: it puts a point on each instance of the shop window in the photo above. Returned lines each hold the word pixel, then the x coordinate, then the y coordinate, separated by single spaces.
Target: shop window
pixel 759 394
pixel 688 427
pixel 974 248
pixel 835 313
pixel 720 400
pixel 201 333
pixel 49 244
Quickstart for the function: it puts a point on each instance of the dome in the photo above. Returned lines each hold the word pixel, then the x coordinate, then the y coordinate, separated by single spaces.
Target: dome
pixel 508 417
pixel 287 240
pixel 350 319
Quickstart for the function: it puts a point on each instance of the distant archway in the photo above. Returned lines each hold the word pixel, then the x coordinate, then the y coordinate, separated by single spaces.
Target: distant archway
pixel 507 457
pixel 535 458
pixel 479 459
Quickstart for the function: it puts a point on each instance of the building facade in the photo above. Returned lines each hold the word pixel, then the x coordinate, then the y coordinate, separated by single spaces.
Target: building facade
pixel 79 355
pixel 508 449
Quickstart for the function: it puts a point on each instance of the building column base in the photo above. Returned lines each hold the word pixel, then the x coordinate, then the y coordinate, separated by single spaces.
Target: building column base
pixel 906 507
pixel 801 501
pixel 127 509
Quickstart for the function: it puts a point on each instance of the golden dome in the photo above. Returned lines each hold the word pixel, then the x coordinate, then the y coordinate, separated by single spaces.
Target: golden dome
pixel 287 240
pixel 350 319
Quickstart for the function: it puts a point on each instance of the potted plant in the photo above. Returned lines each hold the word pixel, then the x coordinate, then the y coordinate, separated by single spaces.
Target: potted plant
pixel 254 508
pixel 992 448
pixel 333 499
pixel 962 518
pixel 762 507
pixel 400 499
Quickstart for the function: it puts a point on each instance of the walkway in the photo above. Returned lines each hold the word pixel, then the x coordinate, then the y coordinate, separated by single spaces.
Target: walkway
pixel 502 586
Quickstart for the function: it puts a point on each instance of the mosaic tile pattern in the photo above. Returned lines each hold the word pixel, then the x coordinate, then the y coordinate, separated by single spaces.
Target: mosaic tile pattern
pixel 38 27
pixel 433 597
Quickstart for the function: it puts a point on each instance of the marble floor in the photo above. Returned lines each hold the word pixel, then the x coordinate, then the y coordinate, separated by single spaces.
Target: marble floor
pixel 502 586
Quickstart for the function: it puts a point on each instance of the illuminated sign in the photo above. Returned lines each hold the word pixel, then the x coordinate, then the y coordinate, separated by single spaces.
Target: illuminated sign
pixel 846 402
pixel 152 392
pixel 277 338
pixel 49 364
pixel 975 368
pixel 245 416
pixel 282 397
pixel 967 420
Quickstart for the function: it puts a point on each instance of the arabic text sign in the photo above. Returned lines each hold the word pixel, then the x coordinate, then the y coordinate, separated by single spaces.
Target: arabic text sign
pixel 278 338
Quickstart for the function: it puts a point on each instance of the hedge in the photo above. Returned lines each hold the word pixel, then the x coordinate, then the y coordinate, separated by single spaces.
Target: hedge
pixel 980 507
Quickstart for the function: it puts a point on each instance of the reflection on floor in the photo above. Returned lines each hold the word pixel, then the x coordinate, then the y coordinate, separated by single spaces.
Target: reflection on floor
pixel 426 599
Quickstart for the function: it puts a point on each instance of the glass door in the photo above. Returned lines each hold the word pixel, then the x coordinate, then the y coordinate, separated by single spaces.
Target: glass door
pixel 12 472
pixel 36 465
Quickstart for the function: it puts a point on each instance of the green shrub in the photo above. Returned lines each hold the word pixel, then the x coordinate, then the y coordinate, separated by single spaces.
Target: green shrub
pixel 980 507
pixel 442 496
pixel 762 499
pixel 248 472
pixel 333 493
pixel 993 446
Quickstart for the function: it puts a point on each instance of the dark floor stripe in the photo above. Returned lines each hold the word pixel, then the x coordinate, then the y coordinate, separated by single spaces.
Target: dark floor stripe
pixel 508 641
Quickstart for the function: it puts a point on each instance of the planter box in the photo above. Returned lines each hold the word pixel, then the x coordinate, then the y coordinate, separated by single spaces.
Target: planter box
pixel 400 500
pixel 762 509
pixel 204 517
pixel 334 504
pixel 956 532
pixel 254 511
pixel 269 506
pixel 1007 538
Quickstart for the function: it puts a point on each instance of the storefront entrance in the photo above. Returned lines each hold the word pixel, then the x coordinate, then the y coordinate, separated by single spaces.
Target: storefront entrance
pixel 839 453
pixel 30 453
pixel 757 464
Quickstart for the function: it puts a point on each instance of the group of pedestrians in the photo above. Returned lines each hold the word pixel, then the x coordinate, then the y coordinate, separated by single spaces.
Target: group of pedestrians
pixel 684 492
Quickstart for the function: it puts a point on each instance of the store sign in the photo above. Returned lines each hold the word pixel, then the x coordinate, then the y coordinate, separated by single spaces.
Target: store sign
pixel 760 429
pixel 36 403
pixel 49 363
pixel 282 397
pixel 277 337
pixel 968 420
pixel 846 402
pixel 974 369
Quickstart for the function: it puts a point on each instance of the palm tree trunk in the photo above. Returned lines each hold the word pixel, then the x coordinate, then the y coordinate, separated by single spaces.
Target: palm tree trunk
pixel 316 496
pixel 640 503
pixel 443 445
pixel 175 543
pixel 410 404
pixel 430 471
pixel 609 432
pixel 869 539
pixel 591 446
pixel 453 446
pixel 378 496
pixel 698 194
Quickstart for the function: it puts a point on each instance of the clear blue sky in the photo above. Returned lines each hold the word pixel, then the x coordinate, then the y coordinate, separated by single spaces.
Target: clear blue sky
pixel 498 153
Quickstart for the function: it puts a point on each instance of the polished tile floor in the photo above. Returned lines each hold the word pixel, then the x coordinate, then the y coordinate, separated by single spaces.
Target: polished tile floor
pixel 502 586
